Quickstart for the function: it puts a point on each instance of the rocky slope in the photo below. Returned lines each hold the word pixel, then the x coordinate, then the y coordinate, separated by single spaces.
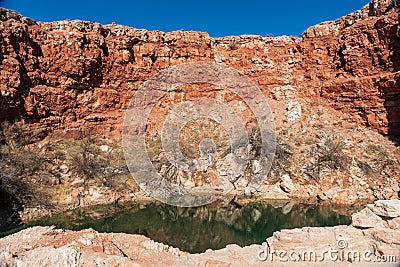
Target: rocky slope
pixel 374 233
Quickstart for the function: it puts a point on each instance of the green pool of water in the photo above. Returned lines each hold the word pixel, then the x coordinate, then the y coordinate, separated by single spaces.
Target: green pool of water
pixel 198 229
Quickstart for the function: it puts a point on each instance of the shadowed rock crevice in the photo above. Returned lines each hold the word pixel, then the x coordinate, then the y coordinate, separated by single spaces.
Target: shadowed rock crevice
pixel 392 92
pixel 392 105
pixel 9 207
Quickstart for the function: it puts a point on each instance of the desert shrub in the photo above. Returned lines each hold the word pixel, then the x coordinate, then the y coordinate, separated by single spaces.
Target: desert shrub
pixel 309 141
pixel 388 167
pixel 283 159
pixel 298 140
pixel 283 154
pixel 380 161
pixel 28 169
pixel 328 154
pixel 366 168
pixel 233 45
pixel 92 162
pixel 85 156
pixel 319 126
pixel 377 151
pixel 20 160
pixel 255 142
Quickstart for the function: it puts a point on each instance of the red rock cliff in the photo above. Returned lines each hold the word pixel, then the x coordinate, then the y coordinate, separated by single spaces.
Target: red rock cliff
pixel 64 74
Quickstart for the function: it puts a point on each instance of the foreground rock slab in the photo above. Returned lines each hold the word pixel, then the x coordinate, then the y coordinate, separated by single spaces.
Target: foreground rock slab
pixel 371 240
pixel 386 208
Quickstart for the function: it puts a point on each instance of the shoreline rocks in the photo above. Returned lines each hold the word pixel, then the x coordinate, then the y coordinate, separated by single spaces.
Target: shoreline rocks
pixel 386 208
pixel 371 232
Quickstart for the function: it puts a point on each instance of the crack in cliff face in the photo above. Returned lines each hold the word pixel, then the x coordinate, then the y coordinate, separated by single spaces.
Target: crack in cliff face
pixel 52 70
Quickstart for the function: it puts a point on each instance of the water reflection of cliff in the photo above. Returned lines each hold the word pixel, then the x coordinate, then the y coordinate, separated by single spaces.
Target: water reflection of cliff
pixel 201 228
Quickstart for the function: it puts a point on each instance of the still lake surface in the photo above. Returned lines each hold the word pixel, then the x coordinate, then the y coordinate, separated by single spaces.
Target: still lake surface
pixel 197 229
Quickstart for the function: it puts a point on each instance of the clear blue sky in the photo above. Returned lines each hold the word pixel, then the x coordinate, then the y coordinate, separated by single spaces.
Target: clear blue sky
pixel 218 18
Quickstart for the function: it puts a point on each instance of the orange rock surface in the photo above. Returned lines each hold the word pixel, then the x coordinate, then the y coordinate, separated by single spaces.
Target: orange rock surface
pixel 62 75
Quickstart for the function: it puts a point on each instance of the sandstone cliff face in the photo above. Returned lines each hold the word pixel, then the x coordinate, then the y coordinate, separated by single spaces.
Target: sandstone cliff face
pixel 361 71
pixel 62 75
